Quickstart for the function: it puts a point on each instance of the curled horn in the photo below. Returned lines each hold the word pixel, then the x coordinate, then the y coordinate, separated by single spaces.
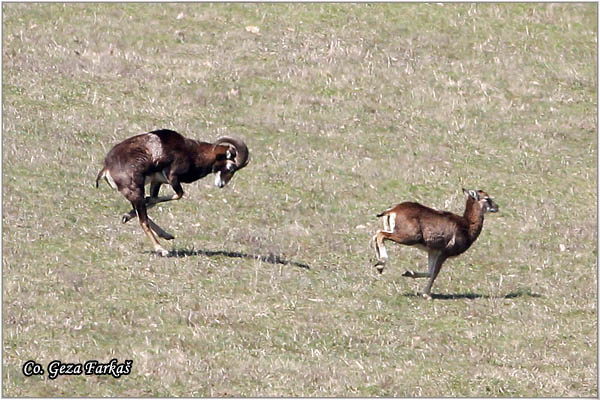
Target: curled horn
pixel 242 155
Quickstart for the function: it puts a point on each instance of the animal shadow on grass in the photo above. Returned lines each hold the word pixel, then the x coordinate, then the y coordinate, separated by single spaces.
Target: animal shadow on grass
pixel 522 292
pixel 271 258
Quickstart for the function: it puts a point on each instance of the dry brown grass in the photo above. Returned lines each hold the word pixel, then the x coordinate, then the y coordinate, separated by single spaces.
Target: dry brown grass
pixel 347 109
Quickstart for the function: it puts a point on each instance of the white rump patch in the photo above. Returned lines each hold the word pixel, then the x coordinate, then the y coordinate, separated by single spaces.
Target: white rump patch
pixel 110 180
pixel 389 223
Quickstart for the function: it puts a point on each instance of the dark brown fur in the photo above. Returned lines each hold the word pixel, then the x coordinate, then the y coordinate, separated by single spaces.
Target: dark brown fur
pixel 165 156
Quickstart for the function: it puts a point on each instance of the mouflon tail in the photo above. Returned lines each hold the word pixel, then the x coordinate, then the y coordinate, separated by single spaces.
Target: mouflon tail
pixel 100 175
pixel 381 214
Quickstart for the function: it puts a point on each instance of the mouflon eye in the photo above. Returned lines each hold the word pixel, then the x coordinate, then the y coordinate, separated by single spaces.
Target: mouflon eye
pixel 230 155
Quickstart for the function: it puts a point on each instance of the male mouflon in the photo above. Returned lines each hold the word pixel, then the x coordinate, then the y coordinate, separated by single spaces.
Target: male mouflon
pixel 166 157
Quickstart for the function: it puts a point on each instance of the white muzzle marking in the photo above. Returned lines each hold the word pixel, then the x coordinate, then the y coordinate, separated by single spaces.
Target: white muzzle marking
pixel 218 181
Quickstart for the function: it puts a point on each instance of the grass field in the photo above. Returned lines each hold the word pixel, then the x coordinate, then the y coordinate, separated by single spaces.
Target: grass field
pixel 347 109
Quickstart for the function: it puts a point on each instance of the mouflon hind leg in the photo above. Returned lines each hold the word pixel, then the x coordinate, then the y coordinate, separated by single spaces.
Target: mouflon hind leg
pixel 380 250
pixel 143 218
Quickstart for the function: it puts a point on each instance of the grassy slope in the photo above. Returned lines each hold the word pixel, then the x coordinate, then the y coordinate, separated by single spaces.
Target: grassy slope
pixel 347 109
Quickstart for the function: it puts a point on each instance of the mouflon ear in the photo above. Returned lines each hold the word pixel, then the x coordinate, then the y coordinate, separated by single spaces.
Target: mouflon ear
pixel 471 193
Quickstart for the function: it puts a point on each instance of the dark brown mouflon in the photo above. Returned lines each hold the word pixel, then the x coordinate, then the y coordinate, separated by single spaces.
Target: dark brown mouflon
pixel 165 156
